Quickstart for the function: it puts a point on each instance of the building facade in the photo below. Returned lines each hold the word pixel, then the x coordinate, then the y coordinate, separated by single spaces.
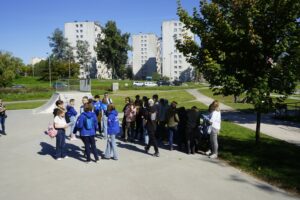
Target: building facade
pixel 174 64
pixel 87 31
pixel 144 54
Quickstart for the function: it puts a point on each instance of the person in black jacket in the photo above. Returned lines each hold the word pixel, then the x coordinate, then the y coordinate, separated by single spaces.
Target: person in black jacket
pixel 127 102
pixel 192 123
pixel 151 124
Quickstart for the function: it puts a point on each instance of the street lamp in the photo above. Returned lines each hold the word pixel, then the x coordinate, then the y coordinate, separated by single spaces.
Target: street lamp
pixel 49 69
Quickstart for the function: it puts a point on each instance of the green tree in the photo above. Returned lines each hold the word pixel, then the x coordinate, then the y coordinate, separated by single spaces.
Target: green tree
pixel 84 56
pixel 129 73
pixel 247 46
pixel 61 49
pixel 112 48
pixel 156 76
pixel 10 67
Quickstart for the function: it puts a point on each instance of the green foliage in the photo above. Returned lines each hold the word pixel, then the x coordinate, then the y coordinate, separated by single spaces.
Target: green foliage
pixel 59 69
pixel 112 48
pixel 10 67
pixel 83 55
pixel 246 47
pixel 61 49
pixel 129 73
pixel 155 76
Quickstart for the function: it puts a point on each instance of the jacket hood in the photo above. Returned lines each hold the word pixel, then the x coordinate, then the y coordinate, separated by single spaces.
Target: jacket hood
pixel 114 112
pixel 88 114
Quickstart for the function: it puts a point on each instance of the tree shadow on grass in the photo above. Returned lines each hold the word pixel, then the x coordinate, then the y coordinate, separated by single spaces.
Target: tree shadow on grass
pixel 272 160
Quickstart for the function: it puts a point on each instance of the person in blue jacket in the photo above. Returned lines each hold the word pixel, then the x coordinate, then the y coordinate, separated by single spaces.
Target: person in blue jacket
pixel 87 125
pixel 113 129
pixel 71 113
pixel 98 110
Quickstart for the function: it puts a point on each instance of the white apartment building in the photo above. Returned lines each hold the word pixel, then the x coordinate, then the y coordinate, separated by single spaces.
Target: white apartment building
pixel 144 54
pixel 174 64
pixel 87 31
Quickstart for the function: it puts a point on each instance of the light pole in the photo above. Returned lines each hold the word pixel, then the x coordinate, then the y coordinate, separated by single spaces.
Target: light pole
pixel 49 69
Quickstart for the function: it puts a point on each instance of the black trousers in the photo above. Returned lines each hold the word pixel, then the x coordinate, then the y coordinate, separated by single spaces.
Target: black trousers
pixel 90 145
pixel 152 141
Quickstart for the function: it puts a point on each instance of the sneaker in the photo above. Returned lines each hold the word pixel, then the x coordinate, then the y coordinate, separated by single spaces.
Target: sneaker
pixel 4 133
pixel 65 157
pixel 146 149
pixel 97 161
pixel 58 158
pixel 208 152
pixel 73 139
pixel 88 162
pixel 156 155
pixel 213 156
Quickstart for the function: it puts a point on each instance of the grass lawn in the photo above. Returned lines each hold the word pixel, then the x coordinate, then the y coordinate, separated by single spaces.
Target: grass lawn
pixel 27 105
pixel 273 160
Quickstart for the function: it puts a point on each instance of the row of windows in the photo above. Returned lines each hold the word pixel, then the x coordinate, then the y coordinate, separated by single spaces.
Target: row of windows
pixel 143 41
pixel 179 67
pixel 77 36
pixel 179 56
pixel 143 49
pixel 144 53
pixel 79 25
pixel 179 24
pixel 177 29
pixel 77 31
pixel 143 45
pixel 144 36
pixel 144 57
pixel 179 61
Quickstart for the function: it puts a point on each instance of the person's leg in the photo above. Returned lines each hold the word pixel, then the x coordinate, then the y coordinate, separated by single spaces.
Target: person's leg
pixel 105 126
pixel 146 136
pixel 2 121
pixel 171 134
pixel 63 144
pixel 108 148
pixel 58 144
pixel 127 127
pixel 94 148
pixel 72 126
pixel 87 148
pixel 132 130
pixel 214 141
pixel 114 147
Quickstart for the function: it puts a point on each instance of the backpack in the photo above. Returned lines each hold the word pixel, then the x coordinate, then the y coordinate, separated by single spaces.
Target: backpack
pixel 88 123
pixel 51 131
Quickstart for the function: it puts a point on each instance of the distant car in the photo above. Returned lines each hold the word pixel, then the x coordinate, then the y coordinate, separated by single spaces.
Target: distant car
pixel 59 85
pixel 18 86
pixel 177 83
pixel 163 83
pixel 150 84
pixel 138 83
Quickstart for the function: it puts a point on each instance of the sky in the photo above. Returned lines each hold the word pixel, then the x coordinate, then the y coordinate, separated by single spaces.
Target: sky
pixel 26 24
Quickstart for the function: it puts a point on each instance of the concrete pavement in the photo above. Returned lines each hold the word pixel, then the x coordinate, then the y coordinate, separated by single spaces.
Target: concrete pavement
pixel 28 171
pixel 283 130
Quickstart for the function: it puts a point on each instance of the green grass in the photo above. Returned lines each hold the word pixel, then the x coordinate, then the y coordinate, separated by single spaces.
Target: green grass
pixel 228 100
pixel 27 105
pixel 272 160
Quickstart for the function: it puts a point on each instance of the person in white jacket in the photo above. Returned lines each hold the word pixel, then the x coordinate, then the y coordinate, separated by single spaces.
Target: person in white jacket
pixel 215 120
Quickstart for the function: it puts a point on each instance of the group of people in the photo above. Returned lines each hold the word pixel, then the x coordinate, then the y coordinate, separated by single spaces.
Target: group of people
pixel 95 115
pixel 155 121
pixel 151 121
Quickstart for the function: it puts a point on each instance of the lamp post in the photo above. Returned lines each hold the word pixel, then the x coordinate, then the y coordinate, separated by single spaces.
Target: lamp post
pixel 49 70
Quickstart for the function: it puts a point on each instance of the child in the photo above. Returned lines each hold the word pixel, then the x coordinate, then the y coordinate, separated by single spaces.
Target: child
pixel 87 124
pixel 104 117
pixel 60 125
pixel 85 100
pixel 71 113
pixel 113 129
pixel 3 116
pixel 97 110
pixel 130 115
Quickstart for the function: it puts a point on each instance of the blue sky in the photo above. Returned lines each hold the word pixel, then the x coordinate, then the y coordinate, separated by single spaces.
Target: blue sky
pixel 25 25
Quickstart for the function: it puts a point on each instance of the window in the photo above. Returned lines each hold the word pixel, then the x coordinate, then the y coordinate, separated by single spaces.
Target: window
pixel 179 67
pixel 81 36
pixel 76 31
pixel 180 56
pixel 180 24
pixel 180 61
pixel 175 67
pixel 145 49
pixel 175 56
pixel 175 72
pixel 142 49
pixel 81 31
pixel 175 24
pixel 77 25
pixel 175 51
pixel 80 25
pixel 77 36
pixel 175 29
pixel 175 61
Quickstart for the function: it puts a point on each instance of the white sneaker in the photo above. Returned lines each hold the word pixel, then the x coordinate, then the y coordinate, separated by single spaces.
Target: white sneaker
pixel 58 158
pixel 208 152
pixel 65 157
pixel 213 156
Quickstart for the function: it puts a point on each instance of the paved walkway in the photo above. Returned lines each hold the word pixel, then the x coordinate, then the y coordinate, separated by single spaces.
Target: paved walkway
pixel 28 171
pixel 283 130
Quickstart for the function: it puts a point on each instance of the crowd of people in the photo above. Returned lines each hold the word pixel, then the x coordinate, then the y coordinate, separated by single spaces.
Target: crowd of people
pixel 149 121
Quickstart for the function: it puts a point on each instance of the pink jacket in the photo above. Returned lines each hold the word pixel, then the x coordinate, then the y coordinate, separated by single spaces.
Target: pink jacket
pixel 130 114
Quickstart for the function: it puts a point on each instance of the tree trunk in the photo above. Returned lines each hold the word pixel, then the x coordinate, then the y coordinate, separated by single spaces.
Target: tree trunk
pixel 257 133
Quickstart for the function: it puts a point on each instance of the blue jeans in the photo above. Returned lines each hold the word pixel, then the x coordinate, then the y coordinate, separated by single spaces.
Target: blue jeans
pixel 104 125
pixel 111 147
pixel 2 121
pixel 72 124
pixel 90 145
pixel 60 143
pixel 172 132
pixel 145 134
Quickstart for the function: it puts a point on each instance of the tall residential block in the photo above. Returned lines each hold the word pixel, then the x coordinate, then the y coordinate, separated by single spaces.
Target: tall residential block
pixel 174 64
pixel 87 31
pixel 144 55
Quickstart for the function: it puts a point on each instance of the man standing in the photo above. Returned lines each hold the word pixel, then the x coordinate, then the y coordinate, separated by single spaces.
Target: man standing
pixel 172 122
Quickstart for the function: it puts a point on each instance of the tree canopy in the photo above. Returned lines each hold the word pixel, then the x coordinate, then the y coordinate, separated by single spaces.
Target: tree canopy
pixel 246 46
pixel 112 48
pixel 84 56
pixel 10 67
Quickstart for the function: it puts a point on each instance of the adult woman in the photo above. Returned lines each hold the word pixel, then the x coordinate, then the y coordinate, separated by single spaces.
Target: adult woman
pixel 87 124
pixel 2 117
pixel 215 121
pixel 113 129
